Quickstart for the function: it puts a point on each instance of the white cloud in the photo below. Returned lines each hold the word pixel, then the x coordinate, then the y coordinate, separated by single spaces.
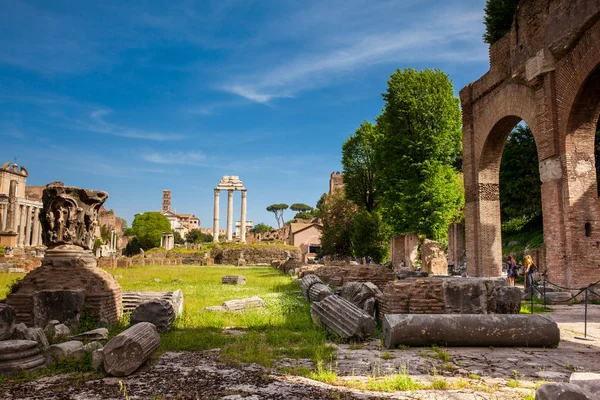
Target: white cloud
pixel 176 158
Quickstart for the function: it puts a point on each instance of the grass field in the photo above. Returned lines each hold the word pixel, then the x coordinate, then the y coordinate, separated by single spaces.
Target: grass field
pixel 283 328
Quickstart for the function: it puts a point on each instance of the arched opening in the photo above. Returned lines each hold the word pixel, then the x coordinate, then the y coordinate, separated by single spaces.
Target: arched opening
pixel 520 194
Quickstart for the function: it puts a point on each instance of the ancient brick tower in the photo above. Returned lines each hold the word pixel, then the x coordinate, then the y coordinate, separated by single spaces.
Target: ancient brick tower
pixel 546 72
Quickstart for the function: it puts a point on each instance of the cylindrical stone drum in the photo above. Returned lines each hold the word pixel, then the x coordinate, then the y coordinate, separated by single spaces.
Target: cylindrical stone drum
pixel 476 330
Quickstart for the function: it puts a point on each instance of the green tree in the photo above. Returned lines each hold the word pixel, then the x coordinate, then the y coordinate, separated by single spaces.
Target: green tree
pixel 421 124
pixel 337 217
pixel 177 238
pixel 132 248
pixel 196 236
pixel 498 19
pixel 304 215
pixel 520 185
pixel 370 238
pixel 148 228
pixel 104 234
pixel 303 211
pixel 262 228
pixel 359 162
pixel 278 210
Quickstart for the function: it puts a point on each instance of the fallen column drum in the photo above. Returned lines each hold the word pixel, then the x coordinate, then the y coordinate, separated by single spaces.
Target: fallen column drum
pixel 475 330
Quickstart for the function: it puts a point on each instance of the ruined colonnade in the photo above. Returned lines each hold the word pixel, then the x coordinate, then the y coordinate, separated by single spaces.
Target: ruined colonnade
pixel 22 218
pixel 231 184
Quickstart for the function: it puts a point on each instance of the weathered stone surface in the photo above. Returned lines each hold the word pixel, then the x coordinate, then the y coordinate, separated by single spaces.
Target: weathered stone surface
pixel 158 312
pixel 558 297
pixel 563 391
pixel 98 359
pixel 55 330
pixel 239 305
pixel 57 352
pixel 361 294
pixel 318 292
pixel 127 351
pixel 505 300
pixel 92 346
pixel 233 280
pixel 338 275
pixel 586 380
pixel 133 299
pixel 470 330
pixel 343 318
pixel 433 258
pixel 34 333
pixel 95 334
pixel 307 281
pixel 7 321
pixel 62 305
pixel 290 264
pixel 405 273
pixel 19 355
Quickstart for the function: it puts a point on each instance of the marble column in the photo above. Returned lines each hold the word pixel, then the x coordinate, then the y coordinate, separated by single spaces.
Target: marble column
pixel 22 223
pixel 40 242
pixel 229 215
pixel 216 217
pixel 13 208
pixel 36 227
pixel 28 226
pixel 161 241
pixel 243 219
pixel 4 209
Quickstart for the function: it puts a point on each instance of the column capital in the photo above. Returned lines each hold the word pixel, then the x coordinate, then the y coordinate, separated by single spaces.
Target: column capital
pixel 217 192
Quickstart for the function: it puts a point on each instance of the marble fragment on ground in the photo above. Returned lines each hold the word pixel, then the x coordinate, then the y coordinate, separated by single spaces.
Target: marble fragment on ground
pixel 127 351
pixel 158 312
pixel 343 318
pixel 20 355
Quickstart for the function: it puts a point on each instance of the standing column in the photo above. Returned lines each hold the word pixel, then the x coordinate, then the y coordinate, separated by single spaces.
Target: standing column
pixel 216 217
pixel 161 241
pixel 243 219
pixel 39 225
pixel 28 220
pixel 4 210
pixel 229 215
pixel 22 223
pixel 36 227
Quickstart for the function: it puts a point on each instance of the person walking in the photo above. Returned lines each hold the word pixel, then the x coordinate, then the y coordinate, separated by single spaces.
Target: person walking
pixel 511 270
pixel 529 271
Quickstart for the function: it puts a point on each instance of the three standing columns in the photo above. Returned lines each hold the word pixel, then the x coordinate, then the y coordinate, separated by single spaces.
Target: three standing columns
pixel 229 235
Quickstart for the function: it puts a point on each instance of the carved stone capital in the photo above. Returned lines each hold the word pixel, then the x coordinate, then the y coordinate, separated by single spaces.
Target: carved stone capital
pixel 69 215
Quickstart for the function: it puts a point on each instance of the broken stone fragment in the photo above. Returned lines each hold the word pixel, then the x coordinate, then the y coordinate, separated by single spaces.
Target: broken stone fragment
pixel 318 292
pixel 36 334
pixel 57 352
pixel 95 334
pixel 586 380
pixel 306 283
pixel 20 355
pixel 362 295
pixel 92 346
pixel 133 299
pixel 239 305
pixel 563 391
pixel 512 330
pixel 233 280
pixel 7 321
pixel 158 312
pixel 98 359
pixel 127 351
pixel 343 318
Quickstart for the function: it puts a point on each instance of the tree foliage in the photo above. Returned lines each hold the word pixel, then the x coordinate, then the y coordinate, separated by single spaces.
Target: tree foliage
pixel 177 238
pixel 319 206
pixel 278 210
pixel 358 161
pixel 520 185
pixel 148 228
pixel 498 19
pixel 304 215
pixel 370 237
pixel 197 236
pixel 299 207
pixel 337 217
pixel 421 125
pixel 262 228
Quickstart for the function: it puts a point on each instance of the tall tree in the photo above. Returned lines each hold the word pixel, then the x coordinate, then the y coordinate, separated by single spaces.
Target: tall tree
pixel 262 228
pixel 421 124
pixel 303 211
pixel 148 228
pixel 520 185
pixel 358 160
pixel 370 237
pixel 337 217
pixel 498 19
pixel 278 210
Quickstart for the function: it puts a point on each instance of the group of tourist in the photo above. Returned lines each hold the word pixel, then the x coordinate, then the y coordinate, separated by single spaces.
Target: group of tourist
pixel 512 271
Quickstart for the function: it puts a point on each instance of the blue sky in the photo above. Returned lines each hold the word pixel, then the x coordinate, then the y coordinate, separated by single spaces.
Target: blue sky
pixel 139 96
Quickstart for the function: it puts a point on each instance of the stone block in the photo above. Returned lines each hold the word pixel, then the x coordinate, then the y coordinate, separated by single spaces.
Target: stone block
pixel 62 305
pixel 558 298
pixel 95 334
pixel 343 318
pixel 127 351
pixel 7 321
pixel 34 333
pixel 92 346
pixel 563 391
pixel 505 300
pixel 468 296
pixel 470 330
pixel 361 294
pixel 239 305
pixel 132 299
pixel 158 312
pixel 57 352
pixel 56 331
pixel 586 380
pixel 433 258
pixel 20 355
pixel 233 280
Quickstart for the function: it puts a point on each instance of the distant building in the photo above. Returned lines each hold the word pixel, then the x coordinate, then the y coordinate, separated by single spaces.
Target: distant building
pixel 181 223
pixel 307 237
pixel 238 225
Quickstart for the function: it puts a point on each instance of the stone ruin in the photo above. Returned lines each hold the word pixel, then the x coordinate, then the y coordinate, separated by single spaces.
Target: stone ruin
pixel 69 283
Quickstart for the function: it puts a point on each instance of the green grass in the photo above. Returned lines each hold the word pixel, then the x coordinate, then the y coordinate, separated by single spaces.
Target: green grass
pixel 537 308
pixel 283 329
pixel 393 383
